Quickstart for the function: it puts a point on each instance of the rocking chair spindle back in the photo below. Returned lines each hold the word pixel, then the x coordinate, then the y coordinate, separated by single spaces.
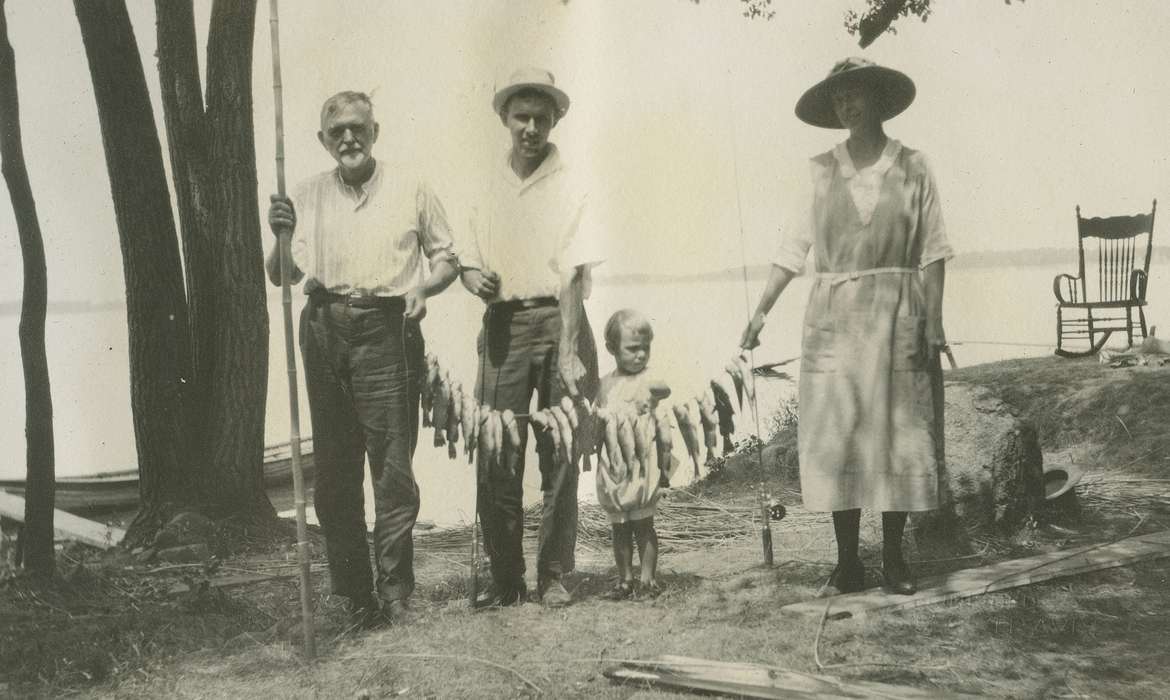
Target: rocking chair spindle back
pixel 1121 246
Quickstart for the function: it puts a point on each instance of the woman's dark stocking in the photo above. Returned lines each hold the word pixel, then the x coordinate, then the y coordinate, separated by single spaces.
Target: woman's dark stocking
pixel 849 576
pixel 895 573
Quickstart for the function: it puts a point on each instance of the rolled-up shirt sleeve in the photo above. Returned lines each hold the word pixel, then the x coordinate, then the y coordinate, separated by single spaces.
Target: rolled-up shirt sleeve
pixel 795 240
pixel 468 247
pixel 933 230
pixel 796 232
pixel 300 245
pixel 583 238
pixel 434 231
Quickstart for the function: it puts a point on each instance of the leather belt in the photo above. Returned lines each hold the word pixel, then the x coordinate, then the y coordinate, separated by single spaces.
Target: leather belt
pixel 357 299
pixel 513 305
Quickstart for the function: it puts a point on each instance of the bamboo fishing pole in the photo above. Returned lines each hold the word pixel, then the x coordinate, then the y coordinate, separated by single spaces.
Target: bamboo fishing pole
pixel 283 240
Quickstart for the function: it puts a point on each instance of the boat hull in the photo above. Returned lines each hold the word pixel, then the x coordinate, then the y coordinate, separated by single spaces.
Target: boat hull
pixel 118 490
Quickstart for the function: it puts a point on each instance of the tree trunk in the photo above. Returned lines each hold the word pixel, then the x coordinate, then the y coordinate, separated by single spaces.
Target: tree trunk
pixel 185 119
pixel 198 341
pixel 36 537
pixel 214 167
pixel 239 389
pixel 161 377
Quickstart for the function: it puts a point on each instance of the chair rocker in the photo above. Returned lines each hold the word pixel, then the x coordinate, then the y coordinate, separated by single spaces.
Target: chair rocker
pixel 1111 295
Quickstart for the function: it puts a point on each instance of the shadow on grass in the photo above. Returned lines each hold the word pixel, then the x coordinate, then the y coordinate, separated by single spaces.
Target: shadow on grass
pixel 593 586
pixel 83 627
pixel 1096 635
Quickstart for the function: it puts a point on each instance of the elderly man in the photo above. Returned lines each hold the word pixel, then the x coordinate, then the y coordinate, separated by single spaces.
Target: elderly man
pixel 362 240
pixel 529 261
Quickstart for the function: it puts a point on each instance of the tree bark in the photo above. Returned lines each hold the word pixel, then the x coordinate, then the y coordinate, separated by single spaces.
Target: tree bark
pixel 36 537
pixel 239 389
pixel 161 376
pixel 214 166
pixel 185 120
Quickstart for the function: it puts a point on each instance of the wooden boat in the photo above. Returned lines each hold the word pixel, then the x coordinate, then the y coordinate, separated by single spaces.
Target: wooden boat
pixel 119 489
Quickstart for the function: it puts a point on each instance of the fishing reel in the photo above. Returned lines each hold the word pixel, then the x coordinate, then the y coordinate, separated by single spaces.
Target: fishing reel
pixel 776 510
pixel 771 507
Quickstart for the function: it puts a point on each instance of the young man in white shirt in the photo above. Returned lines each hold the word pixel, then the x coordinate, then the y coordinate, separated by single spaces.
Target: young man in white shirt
pixel 529 260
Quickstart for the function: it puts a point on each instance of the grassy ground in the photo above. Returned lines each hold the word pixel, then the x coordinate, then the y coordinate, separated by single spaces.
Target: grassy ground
pixel 110 629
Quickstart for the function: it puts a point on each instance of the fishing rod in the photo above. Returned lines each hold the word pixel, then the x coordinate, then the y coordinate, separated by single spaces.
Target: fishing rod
pixel 764 500
pixel 473 584
pixel 285 254
pixel 476 556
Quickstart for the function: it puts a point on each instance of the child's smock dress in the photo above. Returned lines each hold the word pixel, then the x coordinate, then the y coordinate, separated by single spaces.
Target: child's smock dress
pixel 865 434
pixel 632 495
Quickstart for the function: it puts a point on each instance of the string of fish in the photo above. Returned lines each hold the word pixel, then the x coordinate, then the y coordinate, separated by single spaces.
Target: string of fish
pixel 579 430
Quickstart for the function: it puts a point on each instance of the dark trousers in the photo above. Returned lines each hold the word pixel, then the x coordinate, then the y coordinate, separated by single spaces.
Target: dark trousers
pixel 517 356
pixel 363 367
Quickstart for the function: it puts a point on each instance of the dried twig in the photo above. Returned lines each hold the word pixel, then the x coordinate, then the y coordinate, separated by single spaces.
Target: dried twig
pixel 1123 425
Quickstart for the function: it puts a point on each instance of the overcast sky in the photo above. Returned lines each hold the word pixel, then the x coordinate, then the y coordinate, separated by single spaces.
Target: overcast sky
pixel 1024 110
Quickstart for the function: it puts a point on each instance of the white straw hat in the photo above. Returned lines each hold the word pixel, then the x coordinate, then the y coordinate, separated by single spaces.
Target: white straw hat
pixel 531 78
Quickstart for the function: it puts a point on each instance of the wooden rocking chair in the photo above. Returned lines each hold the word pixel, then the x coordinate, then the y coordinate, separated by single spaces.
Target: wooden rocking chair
pixel 1122 246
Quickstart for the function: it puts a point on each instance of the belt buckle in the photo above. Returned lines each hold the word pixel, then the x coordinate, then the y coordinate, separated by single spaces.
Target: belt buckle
pixel 527 303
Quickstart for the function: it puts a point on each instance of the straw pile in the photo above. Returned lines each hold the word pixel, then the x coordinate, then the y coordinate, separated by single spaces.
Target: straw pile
pixel 1119 491
pixel 684 522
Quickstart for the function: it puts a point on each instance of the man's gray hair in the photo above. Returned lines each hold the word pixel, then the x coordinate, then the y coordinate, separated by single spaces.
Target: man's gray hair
pixel 343 98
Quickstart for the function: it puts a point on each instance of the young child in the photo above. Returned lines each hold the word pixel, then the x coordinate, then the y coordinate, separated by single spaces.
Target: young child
pixel 629 496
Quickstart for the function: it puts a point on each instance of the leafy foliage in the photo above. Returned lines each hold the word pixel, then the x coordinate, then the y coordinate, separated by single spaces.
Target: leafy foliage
pixel 880 15
pixel 758 9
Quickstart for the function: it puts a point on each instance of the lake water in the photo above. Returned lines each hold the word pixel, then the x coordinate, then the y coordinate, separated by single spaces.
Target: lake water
pixel 696 329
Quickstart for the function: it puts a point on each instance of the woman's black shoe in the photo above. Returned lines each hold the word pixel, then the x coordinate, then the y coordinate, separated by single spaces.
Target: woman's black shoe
pixel 846 578
pixel 897 579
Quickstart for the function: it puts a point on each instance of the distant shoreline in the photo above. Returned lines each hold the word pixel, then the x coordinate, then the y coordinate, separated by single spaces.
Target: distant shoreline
pixel 1027 257
pixel 12 308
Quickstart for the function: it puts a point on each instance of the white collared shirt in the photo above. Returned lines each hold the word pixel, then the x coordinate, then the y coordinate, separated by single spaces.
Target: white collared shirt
pixel 369 239
pixel 865 187
pixel 534 231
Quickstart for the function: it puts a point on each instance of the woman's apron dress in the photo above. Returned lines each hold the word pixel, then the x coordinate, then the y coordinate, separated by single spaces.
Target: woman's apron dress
pixel 866 412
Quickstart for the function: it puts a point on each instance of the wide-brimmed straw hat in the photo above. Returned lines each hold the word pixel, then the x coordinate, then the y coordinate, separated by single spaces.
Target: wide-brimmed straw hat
pixel 1060 478
pixel 531 78
pixel 895 89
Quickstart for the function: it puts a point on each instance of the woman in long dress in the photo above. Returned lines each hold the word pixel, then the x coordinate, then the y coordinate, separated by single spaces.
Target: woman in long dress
pixel 873 325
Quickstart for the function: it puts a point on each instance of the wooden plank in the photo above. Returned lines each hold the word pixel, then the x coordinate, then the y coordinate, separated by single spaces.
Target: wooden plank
pixel 66 526
pixel 754 680
pixel 995 577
